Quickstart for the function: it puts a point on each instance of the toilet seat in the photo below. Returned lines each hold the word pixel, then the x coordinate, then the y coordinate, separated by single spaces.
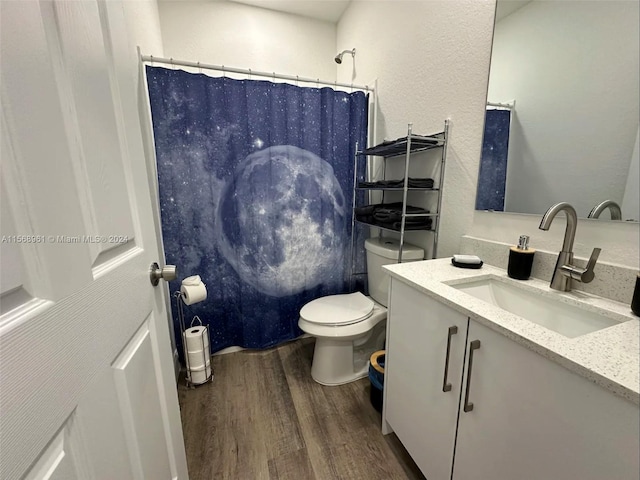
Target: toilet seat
pixel 337 310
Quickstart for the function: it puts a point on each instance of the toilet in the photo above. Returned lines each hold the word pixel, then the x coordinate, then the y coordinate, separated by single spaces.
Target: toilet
pixel 350 327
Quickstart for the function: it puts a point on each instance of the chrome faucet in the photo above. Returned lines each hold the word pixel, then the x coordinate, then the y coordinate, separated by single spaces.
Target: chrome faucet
pixel 565 270
pixel 616 213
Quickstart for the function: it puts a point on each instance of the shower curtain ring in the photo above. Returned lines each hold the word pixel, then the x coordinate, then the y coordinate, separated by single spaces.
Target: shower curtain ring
pixel 151 60
pixel 317 83
pixel 173 67
pixel 224 73
pixel 249 74
pixel 274 77
pixel 297 78
pixel 199 68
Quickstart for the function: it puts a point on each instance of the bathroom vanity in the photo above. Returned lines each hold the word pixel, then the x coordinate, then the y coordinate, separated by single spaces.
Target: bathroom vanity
pixel 475 391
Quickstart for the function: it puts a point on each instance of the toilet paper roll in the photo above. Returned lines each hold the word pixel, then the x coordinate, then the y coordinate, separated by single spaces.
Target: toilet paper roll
pixel 194 280
pixel 194 338
pixel 198 358
pixel 199 375
pixel 193 293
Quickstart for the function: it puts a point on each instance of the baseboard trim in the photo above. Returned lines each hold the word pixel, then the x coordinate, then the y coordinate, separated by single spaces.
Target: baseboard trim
pixel 233 349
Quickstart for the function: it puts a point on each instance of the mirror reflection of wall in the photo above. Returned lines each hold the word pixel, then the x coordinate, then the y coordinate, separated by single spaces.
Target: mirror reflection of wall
pixel 568 71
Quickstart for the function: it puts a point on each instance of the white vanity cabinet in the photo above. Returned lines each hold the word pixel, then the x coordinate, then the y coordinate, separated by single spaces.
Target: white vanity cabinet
pixel 422 412
pixel 531 419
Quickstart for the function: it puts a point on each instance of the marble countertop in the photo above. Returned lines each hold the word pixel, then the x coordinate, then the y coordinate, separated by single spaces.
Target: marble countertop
pixel 609 357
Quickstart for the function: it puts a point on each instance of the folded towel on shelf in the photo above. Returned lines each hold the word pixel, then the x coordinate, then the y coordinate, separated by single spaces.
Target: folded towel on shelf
pixel 389 215
pixel 413 183
pixel 382 184
pixel 392 212
pixel 415 139
pixel 421 224
pixel 421 182
pixel 366 210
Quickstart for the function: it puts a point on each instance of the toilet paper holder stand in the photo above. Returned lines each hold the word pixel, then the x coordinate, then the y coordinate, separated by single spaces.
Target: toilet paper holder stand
pixel 180 301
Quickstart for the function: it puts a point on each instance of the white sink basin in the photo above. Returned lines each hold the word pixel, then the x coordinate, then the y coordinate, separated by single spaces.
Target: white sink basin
pixel 554 314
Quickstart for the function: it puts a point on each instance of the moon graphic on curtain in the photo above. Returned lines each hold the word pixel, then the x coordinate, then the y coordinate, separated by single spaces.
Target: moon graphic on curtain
pixel 280 219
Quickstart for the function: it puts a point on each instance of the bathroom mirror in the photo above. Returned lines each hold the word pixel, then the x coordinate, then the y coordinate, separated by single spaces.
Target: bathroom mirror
pixel 562 113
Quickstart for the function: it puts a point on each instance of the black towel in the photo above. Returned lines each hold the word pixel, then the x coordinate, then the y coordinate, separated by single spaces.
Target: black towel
pixel 392 212
pixel 421 182
pixel 422 224
pixel 389 215
pixel 413 183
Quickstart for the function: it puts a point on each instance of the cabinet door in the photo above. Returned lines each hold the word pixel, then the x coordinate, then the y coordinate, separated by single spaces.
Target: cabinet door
pixel 533 419
pixel 422 415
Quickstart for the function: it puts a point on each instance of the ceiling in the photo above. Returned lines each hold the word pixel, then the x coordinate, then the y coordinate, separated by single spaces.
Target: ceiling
pixel 327 10
pixel 332 10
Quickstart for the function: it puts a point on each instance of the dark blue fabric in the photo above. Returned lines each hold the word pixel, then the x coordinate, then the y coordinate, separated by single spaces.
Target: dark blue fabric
pixel 492 178
pixel 256 187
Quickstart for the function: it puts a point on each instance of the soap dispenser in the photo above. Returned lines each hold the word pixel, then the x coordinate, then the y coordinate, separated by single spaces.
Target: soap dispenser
pixel 521 259
pixel 635 301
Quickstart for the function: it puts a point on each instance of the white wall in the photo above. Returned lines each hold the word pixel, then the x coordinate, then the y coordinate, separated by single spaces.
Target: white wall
pixel 631 200
pixel 431 59
pixel 143 25
pixel 243 36
pixel 572 68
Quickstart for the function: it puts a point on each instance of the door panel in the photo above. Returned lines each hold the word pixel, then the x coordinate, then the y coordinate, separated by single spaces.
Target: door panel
pixel 39 154
pixel 56 462
pixel 82 68
pixel 14 290
pixel 137 389
pixel 100 424
pixel 72 386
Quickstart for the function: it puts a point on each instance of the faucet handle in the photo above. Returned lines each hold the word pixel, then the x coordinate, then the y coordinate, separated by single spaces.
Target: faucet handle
pixel 584 275
pixel 588 274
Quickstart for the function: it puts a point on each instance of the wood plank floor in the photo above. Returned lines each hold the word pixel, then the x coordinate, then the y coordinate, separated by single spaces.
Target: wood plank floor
pixel 263 417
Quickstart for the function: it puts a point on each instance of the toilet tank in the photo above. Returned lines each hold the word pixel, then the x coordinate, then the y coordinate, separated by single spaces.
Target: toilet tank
pixel 384 251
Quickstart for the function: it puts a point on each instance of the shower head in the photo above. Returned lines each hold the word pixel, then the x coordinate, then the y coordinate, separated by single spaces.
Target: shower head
pixel 338 57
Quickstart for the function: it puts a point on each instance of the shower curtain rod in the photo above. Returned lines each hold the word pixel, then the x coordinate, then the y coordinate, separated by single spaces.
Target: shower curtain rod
pixel 222 68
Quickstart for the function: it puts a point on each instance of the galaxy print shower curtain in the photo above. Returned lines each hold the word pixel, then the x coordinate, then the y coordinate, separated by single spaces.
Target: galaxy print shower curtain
pixel 255 182
pixel 492 179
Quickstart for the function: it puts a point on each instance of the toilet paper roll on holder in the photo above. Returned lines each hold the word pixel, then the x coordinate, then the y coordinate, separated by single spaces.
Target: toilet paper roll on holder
pixel 180 301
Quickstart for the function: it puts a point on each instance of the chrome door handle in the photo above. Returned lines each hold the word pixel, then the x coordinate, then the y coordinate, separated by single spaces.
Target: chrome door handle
pixel 468 406
pixel 168 273
pixel 446 387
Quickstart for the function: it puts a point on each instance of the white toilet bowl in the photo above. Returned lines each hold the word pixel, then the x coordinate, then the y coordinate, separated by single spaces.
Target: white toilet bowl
pixel 348 329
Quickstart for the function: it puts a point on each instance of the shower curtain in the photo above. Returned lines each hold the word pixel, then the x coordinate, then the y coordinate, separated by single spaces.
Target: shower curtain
pixel 492 179
pixel 256 186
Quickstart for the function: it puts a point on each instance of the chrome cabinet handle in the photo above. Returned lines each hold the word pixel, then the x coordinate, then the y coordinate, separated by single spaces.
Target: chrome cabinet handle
pixel 446 387
pixel 468 406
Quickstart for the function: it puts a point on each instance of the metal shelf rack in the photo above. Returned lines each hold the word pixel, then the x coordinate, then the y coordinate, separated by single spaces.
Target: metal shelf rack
pixel 407 146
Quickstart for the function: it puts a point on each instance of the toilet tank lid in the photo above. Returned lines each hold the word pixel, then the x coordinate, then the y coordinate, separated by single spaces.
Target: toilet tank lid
pixel 390 247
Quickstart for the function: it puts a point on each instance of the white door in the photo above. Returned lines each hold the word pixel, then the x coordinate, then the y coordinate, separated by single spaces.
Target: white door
pixel 87 387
